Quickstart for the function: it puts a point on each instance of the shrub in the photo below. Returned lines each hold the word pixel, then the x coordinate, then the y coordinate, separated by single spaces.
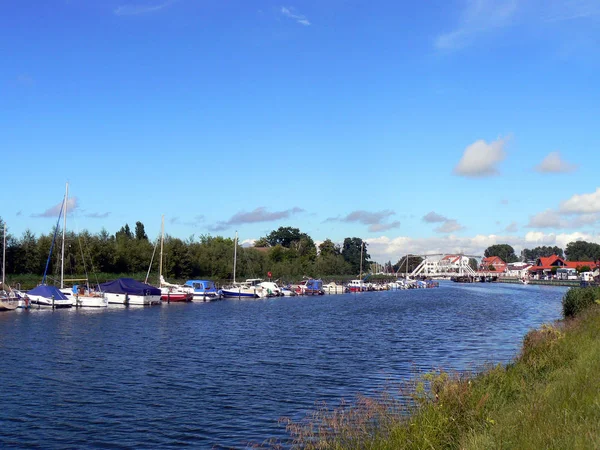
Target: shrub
pixel 579 299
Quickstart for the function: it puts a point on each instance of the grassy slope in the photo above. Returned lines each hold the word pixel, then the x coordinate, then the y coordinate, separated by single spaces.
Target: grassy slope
pixel 548 398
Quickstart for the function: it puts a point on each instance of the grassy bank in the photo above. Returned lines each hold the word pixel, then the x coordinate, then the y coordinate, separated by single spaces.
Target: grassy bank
pixel 548 398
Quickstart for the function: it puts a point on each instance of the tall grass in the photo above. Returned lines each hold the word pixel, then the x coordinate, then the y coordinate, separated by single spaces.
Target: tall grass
pixel 549 397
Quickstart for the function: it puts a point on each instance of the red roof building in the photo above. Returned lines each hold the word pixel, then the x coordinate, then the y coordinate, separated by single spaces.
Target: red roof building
pixel 547 263
pixel 492 261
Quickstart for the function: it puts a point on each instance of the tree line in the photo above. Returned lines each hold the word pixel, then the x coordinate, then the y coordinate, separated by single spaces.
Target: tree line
pixel 287 253
pixel 574 251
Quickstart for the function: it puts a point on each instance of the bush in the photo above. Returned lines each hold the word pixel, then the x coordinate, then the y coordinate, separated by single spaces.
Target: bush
pixel 579 299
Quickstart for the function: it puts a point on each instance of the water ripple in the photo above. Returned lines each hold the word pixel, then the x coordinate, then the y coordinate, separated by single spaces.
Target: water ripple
pixel 219 375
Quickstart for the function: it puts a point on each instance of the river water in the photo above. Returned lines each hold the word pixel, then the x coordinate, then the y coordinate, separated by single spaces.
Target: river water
pixel 220 374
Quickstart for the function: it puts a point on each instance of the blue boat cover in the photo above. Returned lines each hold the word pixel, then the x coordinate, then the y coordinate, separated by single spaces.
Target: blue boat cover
pixel 128 286
pixel 47 292
pixel 314 285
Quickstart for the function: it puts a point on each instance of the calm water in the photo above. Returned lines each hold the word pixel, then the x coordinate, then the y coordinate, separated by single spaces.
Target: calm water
pixel 221 374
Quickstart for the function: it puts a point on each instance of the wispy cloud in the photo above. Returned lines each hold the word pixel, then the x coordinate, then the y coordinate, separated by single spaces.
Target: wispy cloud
pixel 481 159
pixel 478 17
pixel 137 9
pixel 449 226
pixel 260 214
pixel 98 215
pixel 196 220
pixel 19 213
pixel 512 228
pixel 375 220
pixel 54 211
pixel 553 163
pixel 290 12
pixel 559 11
pixel 433 217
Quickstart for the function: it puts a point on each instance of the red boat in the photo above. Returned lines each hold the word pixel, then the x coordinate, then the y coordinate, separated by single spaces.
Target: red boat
pixel 174 295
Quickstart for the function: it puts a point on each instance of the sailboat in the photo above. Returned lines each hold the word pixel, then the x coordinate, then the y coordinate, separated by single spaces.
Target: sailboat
pixel 8 299
pixel 241 290
pixel 79 295
pixel 170 292
pixel 50 296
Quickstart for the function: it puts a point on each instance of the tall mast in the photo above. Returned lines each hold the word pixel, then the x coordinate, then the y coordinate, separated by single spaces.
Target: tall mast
pixel 234 255
pixel 162 238
pixel 62 256
pixel 4 257
pixel 361 258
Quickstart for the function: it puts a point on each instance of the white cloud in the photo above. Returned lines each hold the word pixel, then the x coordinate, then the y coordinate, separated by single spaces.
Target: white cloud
pixel 134 10
pixel 582 203
pixel 477 18
pixel 290 12
pixel 554 219
pixel 546 219
pixel 480 158
pixel 512 228
pixel 553 163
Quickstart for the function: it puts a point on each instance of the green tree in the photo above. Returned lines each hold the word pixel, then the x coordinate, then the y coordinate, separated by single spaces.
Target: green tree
pixel 473 264
pixel 140 232
pixel 327 247
pixel 582 251
pixel 408 263
pixel 351 251
pixel 539 252
pixel 284 236
pixel 503 251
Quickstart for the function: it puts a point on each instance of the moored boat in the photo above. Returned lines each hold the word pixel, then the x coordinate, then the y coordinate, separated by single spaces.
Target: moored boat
pixel 202 290
pixel 48 297
pixel 356 286
pixel 127 291
pixel 333 288
pixel 313 287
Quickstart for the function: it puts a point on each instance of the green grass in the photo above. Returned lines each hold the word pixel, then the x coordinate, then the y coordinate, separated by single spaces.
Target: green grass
pixel 548 398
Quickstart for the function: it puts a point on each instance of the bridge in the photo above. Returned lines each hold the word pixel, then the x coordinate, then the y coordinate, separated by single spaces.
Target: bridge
pixel 435 266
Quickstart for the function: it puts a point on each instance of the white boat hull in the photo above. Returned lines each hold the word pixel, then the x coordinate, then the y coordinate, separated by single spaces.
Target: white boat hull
pixel 44 302
pixel 123 299
pixel 91 302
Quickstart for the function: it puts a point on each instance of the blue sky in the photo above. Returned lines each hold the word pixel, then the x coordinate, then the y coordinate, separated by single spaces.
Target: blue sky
pixel 419 127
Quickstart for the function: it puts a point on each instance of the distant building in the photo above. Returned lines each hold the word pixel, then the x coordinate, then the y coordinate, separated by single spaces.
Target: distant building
pixel 492 264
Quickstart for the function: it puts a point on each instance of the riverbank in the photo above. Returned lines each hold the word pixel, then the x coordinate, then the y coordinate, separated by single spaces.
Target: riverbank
pixel 566 283
pixel 547 398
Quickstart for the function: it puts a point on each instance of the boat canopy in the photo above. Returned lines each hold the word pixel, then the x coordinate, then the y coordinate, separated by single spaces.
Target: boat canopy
pixel 48 292
pixel 128 286
pixel 200 284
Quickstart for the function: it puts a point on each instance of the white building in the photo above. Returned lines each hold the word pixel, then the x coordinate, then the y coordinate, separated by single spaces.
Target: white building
pixel 518 269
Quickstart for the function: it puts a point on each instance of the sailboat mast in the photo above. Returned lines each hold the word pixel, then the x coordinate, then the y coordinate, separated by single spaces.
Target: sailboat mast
pixel 162 239
pixel 234 255
pixel 62 256
pixel 4 257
